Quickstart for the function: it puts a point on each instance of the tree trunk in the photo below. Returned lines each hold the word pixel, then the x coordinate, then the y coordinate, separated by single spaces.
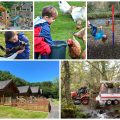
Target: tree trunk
pixel 67 82
pixel 104 74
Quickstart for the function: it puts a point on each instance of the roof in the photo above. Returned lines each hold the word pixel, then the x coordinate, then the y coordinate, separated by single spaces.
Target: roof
pixel 35 89
pixel 14 6
pixel 3 84
pixel 23 89
pixel 26 6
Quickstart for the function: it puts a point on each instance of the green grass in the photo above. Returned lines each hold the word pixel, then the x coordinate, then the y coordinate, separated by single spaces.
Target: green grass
pixel 29 35
pixel 63 27
pixel 55 101
pixel 12 112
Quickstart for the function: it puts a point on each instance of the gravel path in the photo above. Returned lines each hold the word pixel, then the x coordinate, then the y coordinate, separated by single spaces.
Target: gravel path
pixel 54 111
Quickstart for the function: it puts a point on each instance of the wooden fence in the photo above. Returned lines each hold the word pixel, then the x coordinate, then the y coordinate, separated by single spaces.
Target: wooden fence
pixel 40 104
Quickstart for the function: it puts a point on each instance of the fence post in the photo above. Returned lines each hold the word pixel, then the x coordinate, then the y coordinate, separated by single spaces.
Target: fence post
pixel 113 26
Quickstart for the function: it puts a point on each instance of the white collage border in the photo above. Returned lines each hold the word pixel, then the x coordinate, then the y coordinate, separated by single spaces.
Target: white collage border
pixel 61 60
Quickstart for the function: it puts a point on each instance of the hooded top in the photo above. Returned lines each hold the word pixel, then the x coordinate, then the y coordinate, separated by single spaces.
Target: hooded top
pixel 25 54
pixel 45 29
pixel 99 35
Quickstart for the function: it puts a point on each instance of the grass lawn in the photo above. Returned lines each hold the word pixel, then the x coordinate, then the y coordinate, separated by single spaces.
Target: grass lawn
pixel 63 27
pixel 55 101
pixel 14 112
pixel 29 36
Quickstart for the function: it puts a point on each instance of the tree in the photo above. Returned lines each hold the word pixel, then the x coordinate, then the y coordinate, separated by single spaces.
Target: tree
pixel 66 81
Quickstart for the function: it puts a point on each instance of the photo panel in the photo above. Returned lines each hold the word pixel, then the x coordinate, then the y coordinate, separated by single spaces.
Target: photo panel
pixel 90 89
pixel 16 15
pixel 27 92
pixel 16 45
pixel 61 26
pixel 103 24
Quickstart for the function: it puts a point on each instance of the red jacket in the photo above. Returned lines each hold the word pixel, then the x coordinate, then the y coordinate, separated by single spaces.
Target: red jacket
pixel 39 44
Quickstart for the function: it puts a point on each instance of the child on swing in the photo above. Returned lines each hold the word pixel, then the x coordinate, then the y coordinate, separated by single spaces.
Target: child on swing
pixel 97 34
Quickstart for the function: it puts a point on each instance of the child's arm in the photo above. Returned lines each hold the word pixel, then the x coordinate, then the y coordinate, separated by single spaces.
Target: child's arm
pixel 22 37
pixel 26 53
pixel 45 32
pixel 13 56
pixel 97 27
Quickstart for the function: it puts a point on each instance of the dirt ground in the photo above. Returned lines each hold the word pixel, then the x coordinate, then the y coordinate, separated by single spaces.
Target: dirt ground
pixel 100 50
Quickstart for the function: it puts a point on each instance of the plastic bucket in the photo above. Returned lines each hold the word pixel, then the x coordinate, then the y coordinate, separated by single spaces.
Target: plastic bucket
pixel 58 50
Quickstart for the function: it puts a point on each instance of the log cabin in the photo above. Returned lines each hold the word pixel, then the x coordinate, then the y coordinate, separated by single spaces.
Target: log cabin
pixel 36 91
pixel 24 91
pixel 8 92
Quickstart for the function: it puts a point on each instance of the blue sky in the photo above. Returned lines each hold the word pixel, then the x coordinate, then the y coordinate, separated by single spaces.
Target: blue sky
pixel 32 71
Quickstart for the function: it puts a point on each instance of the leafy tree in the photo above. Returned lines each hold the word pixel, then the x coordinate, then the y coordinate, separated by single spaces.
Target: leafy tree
pixel 50 89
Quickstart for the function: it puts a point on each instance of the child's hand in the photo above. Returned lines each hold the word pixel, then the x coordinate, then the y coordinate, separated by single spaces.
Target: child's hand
pixel 88 23
pixel 20 51
pixel 101 27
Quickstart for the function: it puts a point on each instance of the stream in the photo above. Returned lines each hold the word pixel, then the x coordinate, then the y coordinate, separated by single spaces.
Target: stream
pixel 102 21
pixel 101 112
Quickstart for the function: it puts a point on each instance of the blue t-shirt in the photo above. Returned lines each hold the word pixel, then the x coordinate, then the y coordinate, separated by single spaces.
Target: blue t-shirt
pixel 99 35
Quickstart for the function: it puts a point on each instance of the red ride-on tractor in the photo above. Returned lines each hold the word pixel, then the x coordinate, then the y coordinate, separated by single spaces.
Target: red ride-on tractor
pixel 80 96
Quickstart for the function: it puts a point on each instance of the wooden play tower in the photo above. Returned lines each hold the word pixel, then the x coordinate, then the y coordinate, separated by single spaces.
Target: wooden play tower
pixel 3 18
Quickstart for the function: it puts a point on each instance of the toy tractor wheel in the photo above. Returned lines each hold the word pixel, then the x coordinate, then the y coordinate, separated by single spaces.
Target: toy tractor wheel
pixel 73 98
pixel 108 102
pixel 77 102
pixel 115 102
pixel 85 101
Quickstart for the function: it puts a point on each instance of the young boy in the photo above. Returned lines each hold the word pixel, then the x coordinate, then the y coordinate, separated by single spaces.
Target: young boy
pixel 98 35
pixel 12 39
pixel 42 35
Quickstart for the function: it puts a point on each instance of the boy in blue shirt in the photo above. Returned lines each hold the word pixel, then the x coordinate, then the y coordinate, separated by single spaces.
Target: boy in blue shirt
pixel 14 39
pixel 97 34
pixel 42 36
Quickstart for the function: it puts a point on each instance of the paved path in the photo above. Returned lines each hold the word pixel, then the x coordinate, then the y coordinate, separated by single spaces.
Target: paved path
pixel 54 111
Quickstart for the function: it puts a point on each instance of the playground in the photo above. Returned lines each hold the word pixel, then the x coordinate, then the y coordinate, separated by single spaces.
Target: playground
pixel 105 14
pixel 62 29
pixel 16 15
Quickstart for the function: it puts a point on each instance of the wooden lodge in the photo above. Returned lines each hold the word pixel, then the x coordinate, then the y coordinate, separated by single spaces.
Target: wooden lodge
pixel 24 91
pixel 36 91
pixel 8 92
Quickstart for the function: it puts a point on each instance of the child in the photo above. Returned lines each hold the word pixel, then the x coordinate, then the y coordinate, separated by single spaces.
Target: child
pixel 12 39
pixel 98 35
pixel 42 35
